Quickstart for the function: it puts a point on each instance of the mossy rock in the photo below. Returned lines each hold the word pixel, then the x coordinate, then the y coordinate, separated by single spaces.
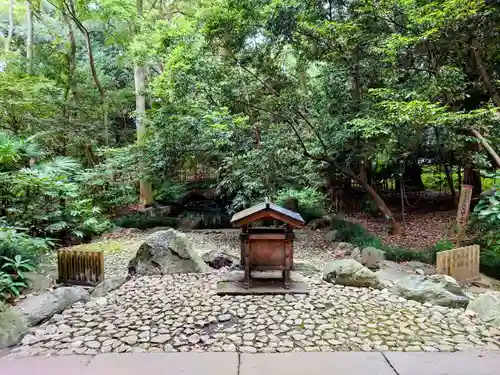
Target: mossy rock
pixel 107 246
pixel 12 326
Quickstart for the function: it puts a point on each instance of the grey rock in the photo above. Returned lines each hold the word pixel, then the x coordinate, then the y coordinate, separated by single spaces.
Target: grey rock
pixel 487 307
pixel 166 252
pixel 350 273
pixel 331 236
pixel 37 308
pixel 194 338
pixel 439 290
pixel 224 317
pixel 305 268
pixel 107 285
pixel 12 326
pixel 131 340
pixel 160 339
pixel 372 257
pixel 218 259
pixel 38 282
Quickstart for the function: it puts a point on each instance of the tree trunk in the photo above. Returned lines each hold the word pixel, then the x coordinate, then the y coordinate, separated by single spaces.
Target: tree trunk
pixel 71 94
pixel 487 147
pixel 29 37
pixel 449 178
pixel 483 72
pixel 10 31
pixel 145 188
pixel 98 84
pixel 473 177
pixel 396 227
pixel 95 77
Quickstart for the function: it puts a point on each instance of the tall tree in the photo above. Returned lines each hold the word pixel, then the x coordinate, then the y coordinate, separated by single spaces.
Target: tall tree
pixel 29 37
pixel 145 188
pixel 10 30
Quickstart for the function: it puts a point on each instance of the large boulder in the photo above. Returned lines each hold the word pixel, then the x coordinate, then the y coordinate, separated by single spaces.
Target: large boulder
pixel 372 257
pixel 38 282
pixel 12 326
pixel 350 273
pixel 37 308
pixel 442 290
pixel 219 258
pixel 165 252
pixel 108 285
pixel 487 307
pixel 305 268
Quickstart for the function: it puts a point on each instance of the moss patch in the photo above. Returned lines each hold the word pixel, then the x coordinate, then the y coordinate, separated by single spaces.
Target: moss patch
pixel 107 246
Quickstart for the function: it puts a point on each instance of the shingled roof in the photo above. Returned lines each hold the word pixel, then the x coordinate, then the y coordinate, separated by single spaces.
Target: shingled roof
pixel 267 210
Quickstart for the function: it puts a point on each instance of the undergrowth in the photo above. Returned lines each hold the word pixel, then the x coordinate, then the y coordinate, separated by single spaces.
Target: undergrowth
pixel 359 236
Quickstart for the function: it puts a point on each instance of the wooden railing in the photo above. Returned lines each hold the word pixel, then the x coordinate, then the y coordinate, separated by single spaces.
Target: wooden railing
pixel 76 267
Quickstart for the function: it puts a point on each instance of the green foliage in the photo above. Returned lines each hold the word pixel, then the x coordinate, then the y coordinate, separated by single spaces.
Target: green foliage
pixel 12 277
pixel 312 202
pixel 17 266
pixel 169 192
pixel 44 197
pixel 360 237
pixel 113 182
pixel 9 288
pixel 488 210
pixel 14 242
pixel 486 220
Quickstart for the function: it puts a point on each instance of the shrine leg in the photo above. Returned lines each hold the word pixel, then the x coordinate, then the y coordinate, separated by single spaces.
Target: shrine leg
pixel 288 261
pixel 287 278
pixel 246 281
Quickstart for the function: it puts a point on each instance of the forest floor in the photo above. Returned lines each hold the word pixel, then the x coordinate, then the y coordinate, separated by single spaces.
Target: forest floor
pixel 420 229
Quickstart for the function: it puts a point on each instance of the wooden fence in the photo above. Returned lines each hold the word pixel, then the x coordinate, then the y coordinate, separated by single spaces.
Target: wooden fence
pixel 461 263
pixel 76 267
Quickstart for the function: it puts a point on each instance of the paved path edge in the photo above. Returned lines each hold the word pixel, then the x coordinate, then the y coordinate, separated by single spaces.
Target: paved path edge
pixel 225 363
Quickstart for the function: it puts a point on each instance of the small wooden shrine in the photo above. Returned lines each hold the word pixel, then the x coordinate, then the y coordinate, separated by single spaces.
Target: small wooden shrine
pixel 267 248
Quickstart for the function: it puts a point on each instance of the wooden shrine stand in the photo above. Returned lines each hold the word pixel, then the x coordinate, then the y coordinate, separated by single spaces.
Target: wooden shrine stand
pixel 266 248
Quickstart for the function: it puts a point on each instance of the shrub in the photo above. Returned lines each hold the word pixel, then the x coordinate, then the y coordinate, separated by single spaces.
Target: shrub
pixel 14 242
pixel 169 192
pixel 311 201
pixel 486 221
pixel 359 236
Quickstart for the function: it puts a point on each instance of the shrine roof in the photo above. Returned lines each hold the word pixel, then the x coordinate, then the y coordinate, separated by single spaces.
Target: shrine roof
pixel 267 210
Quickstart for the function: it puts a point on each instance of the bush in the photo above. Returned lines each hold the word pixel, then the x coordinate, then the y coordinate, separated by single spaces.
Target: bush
pixel 113 182
pixel 311 201
pixel 486 221
pixel 359 236
pixel 169 192
pixel 14 242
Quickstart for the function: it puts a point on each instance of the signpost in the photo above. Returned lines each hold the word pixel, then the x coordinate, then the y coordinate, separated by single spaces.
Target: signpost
pixel 463 209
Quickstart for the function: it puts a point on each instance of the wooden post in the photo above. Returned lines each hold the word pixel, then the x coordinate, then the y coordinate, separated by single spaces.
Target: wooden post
pixel 463 210
pixel 288 256
pixel 245 252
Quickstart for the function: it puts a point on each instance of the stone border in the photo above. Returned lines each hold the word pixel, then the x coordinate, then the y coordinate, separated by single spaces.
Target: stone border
pixel 335 363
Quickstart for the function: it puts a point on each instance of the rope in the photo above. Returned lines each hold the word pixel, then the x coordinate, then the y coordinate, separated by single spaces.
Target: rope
pixel 406 198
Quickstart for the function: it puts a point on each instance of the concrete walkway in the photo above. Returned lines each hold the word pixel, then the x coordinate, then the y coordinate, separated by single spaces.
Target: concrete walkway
pixel 335 363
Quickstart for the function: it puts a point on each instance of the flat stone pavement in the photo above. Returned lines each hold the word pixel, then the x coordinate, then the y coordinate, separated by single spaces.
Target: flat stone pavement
pixel 298 363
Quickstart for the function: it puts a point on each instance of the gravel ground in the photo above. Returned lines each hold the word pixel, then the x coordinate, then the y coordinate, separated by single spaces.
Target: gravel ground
pixel 183 313
pixel 308 246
